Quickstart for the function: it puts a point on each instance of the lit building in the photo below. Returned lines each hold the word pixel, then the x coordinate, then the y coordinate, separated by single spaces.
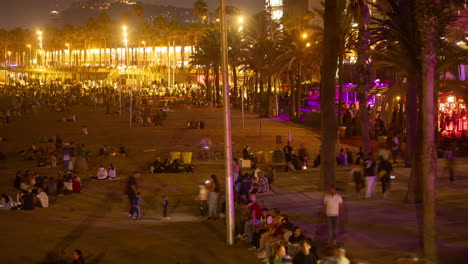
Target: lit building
pixel 278 8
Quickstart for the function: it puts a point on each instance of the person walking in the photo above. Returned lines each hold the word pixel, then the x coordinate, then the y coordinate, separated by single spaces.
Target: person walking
pixel 165 206
pixel 288 154
pixel 135 211
pixel 332 209
pixel 370 172
pixel 213 198
pixel 395 147
pixel 357 172
pixel 384 170
pixel 131 190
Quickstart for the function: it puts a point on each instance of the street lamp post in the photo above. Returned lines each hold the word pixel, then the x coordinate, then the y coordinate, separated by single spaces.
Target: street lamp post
pixel 227 129
pixel 39 39
pixel 144 53
pixel 125 41
pixel 29 60
pixel 9 59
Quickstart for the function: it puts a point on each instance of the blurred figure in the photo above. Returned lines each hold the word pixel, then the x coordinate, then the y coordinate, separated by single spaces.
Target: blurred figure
pixel 451 160
pixel 78 257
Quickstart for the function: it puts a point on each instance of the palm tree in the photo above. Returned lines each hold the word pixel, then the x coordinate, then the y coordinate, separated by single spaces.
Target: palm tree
pixel 236 53
pixel 397 40
pixel 361 15
pixel 328 128
pixel 208 54
pixel 200 9
pixel 260 35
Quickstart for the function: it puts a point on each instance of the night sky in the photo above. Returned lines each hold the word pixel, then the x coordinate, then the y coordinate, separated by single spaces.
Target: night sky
pixel 34 13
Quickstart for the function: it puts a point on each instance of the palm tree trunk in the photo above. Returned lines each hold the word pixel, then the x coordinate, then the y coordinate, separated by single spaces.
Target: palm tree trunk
pixel 340 83
pixel 415 191
pixel 293 95
pixel 234 78
pixel 364 115
pixel 217 92
pixel 429 159
pixel 427 21
pixel 268 99
pixel 299 97
pixel 411 116
pixel 328 129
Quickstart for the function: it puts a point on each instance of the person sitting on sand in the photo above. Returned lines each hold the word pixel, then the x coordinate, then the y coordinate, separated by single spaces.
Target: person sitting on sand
pixel 76 183
pixel 84 130
pixel 102 173
pixel 112 172
pixel 41 199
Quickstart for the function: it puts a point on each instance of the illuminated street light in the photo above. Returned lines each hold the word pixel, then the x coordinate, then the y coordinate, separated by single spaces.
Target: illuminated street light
pixel 125 41
pixel 308 44
pixel 39 39
pixel 304 35
pixel 9 58
pixel 240 20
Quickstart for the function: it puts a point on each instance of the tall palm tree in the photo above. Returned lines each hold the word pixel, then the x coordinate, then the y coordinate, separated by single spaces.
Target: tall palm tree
pixel 200 9
pixel 360 12
pixel 261 37
pixel 328 128
pixel 208 54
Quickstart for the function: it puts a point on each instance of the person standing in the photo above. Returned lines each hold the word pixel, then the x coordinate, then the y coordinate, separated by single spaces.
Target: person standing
pixel 395 147
pixel 132 186
pixel 370 172
pixel 357 172
pixel 165 206
pixel 288 155
pixel 213 198
pixel 332 209
pixel 288 151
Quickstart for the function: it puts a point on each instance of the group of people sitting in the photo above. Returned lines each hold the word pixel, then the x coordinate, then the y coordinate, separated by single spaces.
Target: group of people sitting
pixel 196 124
pixel 119 150
pixel 276 240
pixel 148 118
pixel 34 189
pixel 169 166
pixel 103 174
pixel 251 183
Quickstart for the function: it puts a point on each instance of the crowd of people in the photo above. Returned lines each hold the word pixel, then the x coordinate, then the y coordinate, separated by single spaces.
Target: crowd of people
pixel 33 189
pixel 169 166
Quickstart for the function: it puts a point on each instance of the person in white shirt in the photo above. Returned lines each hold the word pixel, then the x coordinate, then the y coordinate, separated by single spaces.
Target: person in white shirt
pixel 332 209
pixel 112 172
pixel 341 256
pixel 102 173
pixel 41 198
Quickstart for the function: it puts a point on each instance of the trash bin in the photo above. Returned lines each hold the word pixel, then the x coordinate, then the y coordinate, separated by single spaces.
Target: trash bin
pixel 342 131
pixel 251 108
pixel 259 155
pixel 175 155
pixel 268 155
pixel 187 157
pixel 278 156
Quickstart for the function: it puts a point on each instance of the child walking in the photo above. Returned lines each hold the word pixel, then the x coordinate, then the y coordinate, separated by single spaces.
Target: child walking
pixel 136 203
pixel 165 205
